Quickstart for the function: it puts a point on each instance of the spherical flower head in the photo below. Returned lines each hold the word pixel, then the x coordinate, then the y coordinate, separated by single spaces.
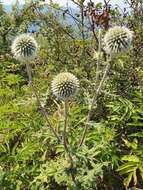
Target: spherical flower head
pixel 24 47
pixel 65 85
pixel 117 39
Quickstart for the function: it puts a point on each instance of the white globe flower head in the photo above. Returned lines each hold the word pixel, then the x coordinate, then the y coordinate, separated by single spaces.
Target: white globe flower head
pixel 24 47
pixel 117 39
pixel 65 85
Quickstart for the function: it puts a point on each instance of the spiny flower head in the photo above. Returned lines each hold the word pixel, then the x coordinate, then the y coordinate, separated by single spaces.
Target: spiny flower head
pixel 117 39
pixel 24 47
pixel 65 85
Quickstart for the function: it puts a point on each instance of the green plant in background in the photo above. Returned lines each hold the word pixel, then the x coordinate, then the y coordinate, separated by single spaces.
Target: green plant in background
pixel 133 166
pixel 70 143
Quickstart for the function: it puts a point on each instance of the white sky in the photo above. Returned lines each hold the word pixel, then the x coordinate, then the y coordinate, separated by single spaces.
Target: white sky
pixel 63 2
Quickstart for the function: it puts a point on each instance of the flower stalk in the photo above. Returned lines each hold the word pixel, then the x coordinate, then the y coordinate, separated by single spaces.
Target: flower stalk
pixel 116 40
pixel 65 140
pixel 24 49
pixel 97 90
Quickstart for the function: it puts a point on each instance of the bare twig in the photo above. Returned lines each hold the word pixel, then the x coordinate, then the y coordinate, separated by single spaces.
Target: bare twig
pixel 106 2
pixel 75 2
pixel 82 22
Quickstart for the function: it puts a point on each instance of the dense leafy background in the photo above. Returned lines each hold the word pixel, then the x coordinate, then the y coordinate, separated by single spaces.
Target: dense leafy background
pixel 31 158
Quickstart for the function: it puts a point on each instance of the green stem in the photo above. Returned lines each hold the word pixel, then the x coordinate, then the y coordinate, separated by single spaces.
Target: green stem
pixel 98 61
pixel 65 141
pixel 94 101
pixel 65 124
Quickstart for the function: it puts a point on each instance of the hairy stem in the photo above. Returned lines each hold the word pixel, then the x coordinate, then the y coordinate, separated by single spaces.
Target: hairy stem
pixel 98 87
pixel 65 142
pixel 94 103
pixel 28 69
pixel 65 124
pixel 98 62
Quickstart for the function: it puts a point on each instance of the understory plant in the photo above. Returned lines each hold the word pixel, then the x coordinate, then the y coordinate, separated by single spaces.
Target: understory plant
pixel 64 86
pixel 66 120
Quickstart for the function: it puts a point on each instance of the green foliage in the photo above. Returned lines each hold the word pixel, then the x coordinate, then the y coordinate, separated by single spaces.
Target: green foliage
pixel 132 163
pixel 133 167
pixel 31 158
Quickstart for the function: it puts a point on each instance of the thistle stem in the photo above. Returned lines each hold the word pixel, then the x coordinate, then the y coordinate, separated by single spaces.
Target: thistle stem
pixel 65 141
pixel 98 61
pixel 98 87
pixel 93 104
pixel 28 69
pixel 65 124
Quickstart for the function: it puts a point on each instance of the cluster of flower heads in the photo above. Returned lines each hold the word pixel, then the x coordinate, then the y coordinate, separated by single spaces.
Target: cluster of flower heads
pixel 65 85
pixel 24 47
pixel 117 39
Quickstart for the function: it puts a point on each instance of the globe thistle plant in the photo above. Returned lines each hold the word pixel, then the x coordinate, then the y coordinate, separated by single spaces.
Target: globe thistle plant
pixel 65 85
pixel 24 47
pixel 117 39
